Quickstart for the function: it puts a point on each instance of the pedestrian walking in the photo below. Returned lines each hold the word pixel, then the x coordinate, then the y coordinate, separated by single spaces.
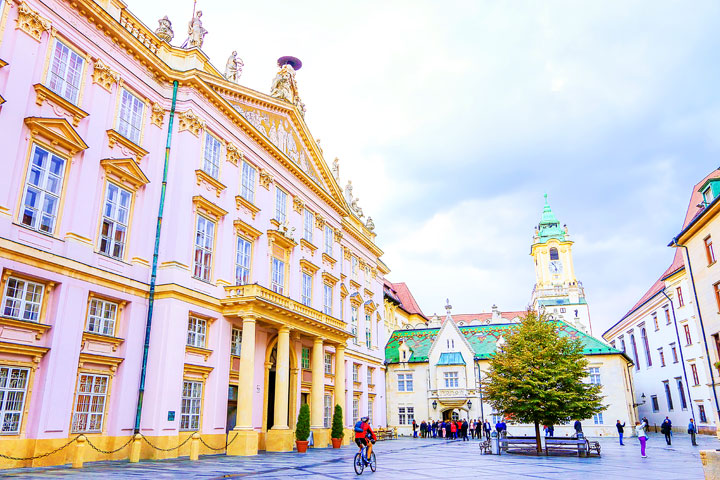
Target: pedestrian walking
pixel 415 427
pixel 473 424
pixel 621 429
pixel 478 429
pixel 487 428
pixel 453 429
pixel 692 430
pixel 551 430
pixel 642 436
pixel 666 429
pixel 464 429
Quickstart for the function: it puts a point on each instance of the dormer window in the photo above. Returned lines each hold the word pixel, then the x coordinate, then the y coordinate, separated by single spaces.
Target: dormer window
pixel 707 195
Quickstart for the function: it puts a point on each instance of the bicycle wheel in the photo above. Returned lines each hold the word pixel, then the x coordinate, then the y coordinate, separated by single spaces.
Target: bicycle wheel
pixel 373 462
pixel 358 463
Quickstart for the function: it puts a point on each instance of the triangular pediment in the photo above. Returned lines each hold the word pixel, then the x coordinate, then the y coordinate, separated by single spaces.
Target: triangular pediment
pixel 58 132
pixel 125 170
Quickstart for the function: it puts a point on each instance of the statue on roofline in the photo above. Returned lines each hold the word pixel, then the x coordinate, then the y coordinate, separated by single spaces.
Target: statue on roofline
pixel 196 32
pixel 370 225
pixel 336 169
pixel 164 30
pixel 284 86
pixel 233 68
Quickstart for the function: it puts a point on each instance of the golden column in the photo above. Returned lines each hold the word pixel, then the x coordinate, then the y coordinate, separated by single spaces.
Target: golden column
pixel 340 388
pixel 280 437
pixel 321 435
pixel 246 442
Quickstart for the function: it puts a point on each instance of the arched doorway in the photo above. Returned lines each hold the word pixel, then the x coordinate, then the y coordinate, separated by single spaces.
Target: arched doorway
pixel 269 392
pixel 454 414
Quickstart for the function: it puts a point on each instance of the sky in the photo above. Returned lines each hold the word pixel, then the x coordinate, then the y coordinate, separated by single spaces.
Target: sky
pixel 453 118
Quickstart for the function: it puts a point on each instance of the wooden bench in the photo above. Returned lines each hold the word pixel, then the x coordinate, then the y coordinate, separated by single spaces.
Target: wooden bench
pixel 592 445
pixel 568 444
pixel 521 442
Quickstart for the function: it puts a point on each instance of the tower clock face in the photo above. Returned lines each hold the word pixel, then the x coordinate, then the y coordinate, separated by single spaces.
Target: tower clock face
pixel 555 266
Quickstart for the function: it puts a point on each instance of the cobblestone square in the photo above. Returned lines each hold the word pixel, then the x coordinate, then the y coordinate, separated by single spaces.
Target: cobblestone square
pixel 416 458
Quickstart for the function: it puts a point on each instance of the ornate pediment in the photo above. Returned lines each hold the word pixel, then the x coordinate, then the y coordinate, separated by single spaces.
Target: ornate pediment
pixel 58 132
pixel 30 21
pixel 126 171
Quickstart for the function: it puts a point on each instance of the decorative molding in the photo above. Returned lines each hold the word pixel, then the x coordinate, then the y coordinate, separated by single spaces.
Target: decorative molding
pixel 308 267
pixel 191 122
pixel 114 137
pixel 115 342
pixel 346 253
pixel 30 21
pixel 205 205
pixel 330 279
pixel 110 362
pixel 275 237
pixel 58 132
pixel 265 179
pixel 338 235
pixel 126 171
pixel 104 76
pixel 204 177
pixel 43 93
pixel 329 260
pixel 200 370
pixel 157 114
pixel 319 221
pixel 343 291
pixel 3 63
pixel 204 352
pixel 78 238
pixel 35 352
pixel 38 328
pixel 242 202
pixel 244 229
pixel 233 155
pixel 305 245
pixel 298 204
pixel 355 285
pixel 369 293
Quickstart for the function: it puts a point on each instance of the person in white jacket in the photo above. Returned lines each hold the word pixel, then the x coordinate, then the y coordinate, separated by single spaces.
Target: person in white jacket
pixel 642 436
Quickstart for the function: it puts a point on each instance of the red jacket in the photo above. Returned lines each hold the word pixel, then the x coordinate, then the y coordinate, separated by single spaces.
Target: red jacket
pixel 364 434
pixel 453 427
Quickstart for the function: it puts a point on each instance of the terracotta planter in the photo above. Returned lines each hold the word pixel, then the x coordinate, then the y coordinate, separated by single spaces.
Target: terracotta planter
pixel 336 442
pixel 301 445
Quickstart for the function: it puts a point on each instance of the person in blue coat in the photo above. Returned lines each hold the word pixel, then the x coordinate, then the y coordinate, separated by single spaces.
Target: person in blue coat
pixel 692 430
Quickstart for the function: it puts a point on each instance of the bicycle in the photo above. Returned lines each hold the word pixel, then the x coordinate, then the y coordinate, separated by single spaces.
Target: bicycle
pixel 361 461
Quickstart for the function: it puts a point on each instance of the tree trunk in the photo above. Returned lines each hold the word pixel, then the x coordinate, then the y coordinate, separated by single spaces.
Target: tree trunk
pixel 537 438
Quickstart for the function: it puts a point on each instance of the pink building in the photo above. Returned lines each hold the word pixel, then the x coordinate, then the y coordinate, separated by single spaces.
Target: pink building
pixel 269 284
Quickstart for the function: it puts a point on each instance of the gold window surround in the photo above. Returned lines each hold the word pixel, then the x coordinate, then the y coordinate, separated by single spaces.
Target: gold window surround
pixel 298 204
pixel 319 221
pixel 242 203
pixel 204 177
pixel 110 364
pixel 201 351
pixel 307 246
pixel 329 260
pixel 125 171
pixel 233 154
pixel 275 238
pixel 189 121
pixel 103 75
pixel 40 326
pixel 246 230
pixel 31 22
pixel 203 205
pixel 115 342
pixel 58 132
pixel 121 304
pixel 370 307
pixel 355 285
pixel 115 138
pixel 265 179
pixel 43 93
pixel 329 279
pixel 343 291
pixel 34 352
pixel 356 300
pixel 308 267
pixel 369 293
pixel 196 372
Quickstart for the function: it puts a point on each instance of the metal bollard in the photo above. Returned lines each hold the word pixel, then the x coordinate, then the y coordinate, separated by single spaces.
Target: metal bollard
pixel 79 457
pixel 135 448
pixel 195 446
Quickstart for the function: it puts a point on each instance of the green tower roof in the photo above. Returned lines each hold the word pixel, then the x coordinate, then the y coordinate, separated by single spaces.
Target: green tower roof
pixel 549 226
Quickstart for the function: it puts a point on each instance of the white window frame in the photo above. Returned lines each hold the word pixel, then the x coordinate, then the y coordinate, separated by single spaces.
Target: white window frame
pixel 594 374
pixel 247 190
pixel 370 375
pixel 370 409
pixel 356 372
pixel 308 225
pixel 306 289
pixel 280 205
pixel 327 410
pixel 101 317
pixel 329 240
pixel 196 332
pixel 130 120
pixel 90 401
pixel 191 406
pixel 16 303
pixel 236 342
pixel 328 363
pixel 277 276
pixel 115 220
pixel 356 408
pixel 204 243
pixel 452 379
pixel 211 155
pixel 405 382
pixel 44 182
pixel 305 359
pixel 327 299
pixel 13 393
pixel 243 259
pixel 354 323
pixel 598 418
pixel 61 77
pixel 406 415
pixel 368 331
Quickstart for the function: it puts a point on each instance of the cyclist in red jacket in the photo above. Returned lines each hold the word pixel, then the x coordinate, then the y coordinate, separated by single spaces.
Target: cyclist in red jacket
pixel 362 437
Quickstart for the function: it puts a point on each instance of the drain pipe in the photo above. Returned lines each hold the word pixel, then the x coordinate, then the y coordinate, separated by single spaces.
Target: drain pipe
pixel 682 357
pixel 702 325
pixel 153 275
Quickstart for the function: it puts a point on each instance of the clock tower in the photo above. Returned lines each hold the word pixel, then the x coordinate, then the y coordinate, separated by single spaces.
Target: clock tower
pixel 557 291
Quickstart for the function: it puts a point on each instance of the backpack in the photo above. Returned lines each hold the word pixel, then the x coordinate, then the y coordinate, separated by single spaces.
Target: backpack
pixel 358 427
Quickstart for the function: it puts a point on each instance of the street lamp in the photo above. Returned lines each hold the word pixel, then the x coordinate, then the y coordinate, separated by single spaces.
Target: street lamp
pixel 434 404
pixel 642 403
pixel 469 404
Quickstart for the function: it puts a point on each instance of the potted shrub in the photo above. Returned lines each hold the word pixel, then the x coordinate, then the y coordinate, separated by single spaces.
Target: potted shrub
pixel 302 430
pixel 336 434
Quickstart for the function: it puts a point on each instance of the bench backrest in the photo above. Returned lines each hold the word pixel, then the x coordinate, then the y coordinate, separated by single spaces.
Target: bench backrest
pixel 564 441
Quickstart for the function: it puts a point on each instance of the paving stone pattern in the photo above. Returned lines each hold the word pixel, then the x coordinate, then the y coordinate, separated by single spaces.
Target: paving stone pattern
pixel 408 458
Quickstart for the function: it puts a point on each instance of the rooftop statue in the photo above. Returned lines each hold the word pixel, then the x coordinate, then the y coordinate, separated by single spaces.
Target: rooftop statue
pixel 233 68
pixel 196 32
pixel 348 192
pixel 336 169
pixel 370 225
pixel 164 30
pixel 284 86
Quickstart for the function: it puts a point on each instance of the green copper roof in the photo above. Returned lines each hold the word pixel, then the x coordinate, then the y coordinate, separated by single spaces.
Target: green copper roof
pixel 549 226
pixel 451 358
pixel 482 339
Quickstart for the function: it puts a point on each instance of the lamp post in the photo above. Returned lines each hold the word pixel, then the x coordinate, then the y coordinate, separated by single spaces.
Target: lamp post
pixel 434 404
pixel 642 403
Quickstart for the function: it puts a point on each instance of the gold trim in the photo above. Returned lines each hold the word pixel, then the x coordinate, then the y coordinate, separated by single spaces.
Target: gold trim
pixel 330 279
pixel 97 337
pixel 244 229
pixel 111 362
pixel 319 221
pixel 201 203
pixel 201 370
pixel 307 245
pixel 308 266
pixel 115 137
pixel 244 203
pixel 369 293
pixel 104 76
pixel 157 114
pixel 30 21
pixel 355 284
pixel 233 154
pixel 43 93
pixel 58 131
pixel 204 352
pixel 277 238
pixel 298 204
pixel 330 260
pixel 27 350
pixel 265 179
pixel 38 328
pixel 78 238
pixel 189 121
pixel 203 176
pixel 126 171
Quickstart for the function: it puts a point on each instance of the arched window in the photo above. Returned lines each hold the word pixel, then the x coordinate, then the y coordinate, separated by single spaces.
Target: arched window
pixel 554 254
pixel 643 334
pixel 635 355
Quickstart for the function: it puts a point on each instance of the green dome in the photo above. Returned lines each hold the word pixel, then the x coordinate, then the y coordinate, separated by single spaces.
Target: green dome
pixel 549 226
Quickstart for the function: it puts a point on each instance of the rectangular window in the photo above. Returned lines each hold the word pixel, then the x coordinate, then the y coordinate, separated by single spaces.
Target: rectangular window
pixel 709 253
pixel 101 317
pixel 22 299
pixel 354 323
pixel 655 404
pixel 667 315
pixel 655 321
pixel 701 410
pixel 196 332
pixel 662 357
pixel 370 409
pixel 406 415
pixel 451 379
pixel 353 266
pixel 674 353
pixel 327 299
pixel 598 418
pixel 248 182
pixel 356 372
pixel 681 391
pixel 65 73
pixel 115 221
pixel 236 342
pixel 405 382
pixel 368 331
pixel 595 375
pixel 327 411
pixel 328 240
pixel 280 205
pixel 305 360
pixel 242 262
pixel 668 395
pixel 368 277
pixel 90 403
pixel 190 406
pixel 278 276
pixel 696 378
pixel 43 188
pixel 13 390
pixel 688 337
pixel 308 225
pixel 707 196
pixel 306 297
pixel 681 302
pixel 356 408
pixel 204 237
pixel 211 157
pixel 370 376
pixel 328 364
pixel 131 115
